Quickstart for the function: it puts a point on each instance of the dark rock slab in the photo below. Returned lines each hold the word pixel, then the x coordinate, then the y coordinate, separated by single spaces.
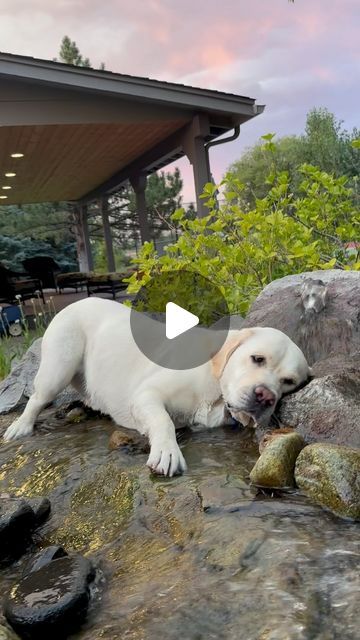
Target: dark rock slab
pixel 51 602
pixel 17 521
pixel 43 557
pixel 41 508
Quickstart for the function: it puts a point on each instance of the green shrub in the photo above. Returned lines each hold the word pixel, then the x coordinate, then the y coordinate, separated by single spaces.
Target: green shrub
pixel 242 251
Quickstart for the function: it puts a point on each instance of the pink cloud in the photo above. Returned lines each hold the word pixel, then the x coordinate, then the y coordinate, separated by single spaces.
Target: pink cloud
pixel 288 56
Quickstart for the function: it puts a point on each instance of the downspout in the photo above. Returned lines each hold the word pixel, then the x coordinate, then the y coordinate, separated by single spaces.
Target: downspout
pixel 235 135
pixel 212 143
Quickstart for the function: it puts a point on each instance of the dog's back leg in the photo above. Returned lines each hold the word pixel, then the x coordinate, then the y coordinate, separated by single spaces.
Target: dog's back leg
pixel 62 355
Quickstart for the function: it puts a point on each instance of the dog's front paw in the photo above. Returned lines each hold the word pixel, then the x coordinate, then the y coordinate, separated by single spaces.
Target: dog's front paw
pixel 166 458
pixel 17 429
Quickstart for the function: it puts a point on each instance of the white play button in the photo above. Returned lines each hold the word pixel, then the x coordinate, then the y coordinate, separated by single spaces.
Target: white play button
pixel 178 320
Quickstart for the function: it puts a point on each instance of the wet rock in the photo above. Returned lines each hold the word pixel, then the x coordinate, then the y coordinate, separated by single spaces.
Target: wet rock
pixel 269 436
pixel 76 415
pixel 275 467
pixel 17 521
pixel 328 408
pixel 6 634
pixel 335 329
pixel 41 508
pixel 51 602
pixel 19 384
pixel 43 557
pixel 130 442
pixel 330 475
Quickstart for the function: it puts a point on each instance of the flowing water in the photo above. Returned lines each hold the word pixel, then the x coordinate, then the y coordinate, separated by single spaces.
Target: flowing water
pixel 195 557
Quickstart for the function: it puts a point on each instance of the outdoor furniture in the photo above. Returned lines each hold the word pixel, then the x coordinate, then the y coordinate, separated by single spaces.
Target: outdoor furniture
pixel 11 321
pixel 107 283
pixel 43 268
pixel 13 284
pixel 73 280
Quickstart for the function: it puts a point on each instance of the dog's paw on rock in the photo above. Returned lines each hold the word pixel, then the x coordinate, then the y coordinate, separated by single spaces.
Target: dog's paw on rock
pixel 275 467
pixel 330 475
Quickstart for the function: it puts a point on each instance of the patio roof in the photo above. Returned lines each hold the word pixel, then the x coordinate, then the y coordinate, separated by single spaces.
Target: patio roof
pixel 84 132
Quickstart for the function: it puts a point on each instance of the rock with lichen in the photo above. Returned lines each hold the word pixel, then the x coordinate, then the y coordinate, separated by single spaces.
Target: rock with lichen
pixel 275 467
pixel 6 634
pixel 330 475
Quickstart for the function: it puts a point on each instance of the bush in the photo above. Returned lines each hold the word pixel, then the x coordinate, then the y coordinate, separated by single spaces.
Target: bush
pixel 242 251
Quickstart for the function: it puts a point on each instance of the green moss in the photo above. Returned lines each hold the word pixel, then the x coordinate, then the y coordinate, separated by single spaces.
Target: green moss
pixel 275 467
pixel 330 475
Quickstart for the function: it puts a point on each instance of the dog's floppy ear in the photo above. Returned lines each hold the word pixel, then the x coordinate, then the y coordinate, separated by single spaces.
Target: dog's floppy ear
pixel 232 342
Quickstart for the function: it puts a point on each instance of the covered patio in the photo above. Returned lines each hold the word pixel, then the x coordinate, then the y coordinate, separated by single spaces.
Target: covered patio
pixel 78 135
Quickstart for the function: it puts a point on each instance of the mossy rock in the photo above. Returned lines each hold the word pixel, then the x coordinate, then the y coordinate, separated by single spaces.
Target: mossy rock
pixel 6 634
pixel 275 467
pixel 330 475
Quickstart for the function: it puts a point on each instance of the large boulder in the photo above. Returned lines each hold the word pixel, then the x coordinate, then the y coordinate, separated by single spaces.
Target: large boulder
pixel 331 327
pixel 19 385
pixel 328 408
pixel 330 475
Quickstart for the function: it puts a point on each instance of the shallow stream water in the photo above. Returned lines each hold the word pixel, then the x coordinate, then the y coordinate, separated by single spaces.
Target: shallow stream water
pixel 194 557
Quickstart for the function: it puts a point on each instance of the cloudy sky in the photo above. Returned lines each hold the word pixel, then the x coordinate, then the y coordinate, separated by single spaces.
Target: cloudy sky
pixel 290 57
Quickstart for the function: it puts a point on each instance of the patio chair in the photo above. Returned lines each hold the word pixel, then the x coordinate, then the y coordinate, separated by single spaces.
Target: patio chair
pixel 13 284
pixel 43 268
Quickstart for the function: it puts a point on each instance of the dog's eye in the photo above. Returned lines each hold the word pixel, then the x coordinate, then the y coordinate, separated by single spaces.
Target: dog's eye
pixel 258 359
pixel 288 381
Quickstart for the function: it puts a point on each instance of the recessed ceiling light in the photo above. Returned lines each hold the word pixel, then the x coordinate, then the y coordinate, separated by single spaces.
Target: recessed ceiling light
pixel 17 155
pixel 10 175
pixel 7 186
pixel 3 197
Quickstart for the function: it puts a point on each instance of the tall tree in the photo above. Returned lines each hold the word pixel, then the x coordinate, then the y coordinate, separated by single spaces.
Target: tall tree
pixel 324 143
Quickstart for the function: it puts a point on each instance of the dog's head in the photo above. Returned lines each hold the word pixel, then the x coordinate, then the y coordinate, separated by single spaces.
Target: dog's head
pixel 255 367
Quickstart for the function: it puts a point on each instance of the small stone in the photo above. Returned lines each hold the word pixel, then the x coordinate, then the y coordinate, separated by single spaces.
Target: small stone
pixel 76 415
pixel 269 436
pixel 43 557
pixel 17 521
pixel 53 598
pixel 330 475
pixel 41 508
pixel 275 467
pixel 131 442
pixel 6 634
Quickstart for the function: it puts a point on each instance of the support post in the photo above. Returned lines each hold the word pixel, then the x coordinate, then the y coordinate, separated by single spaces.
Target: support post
pixel 110 258
pixel 85 259
pixel 138 183
pixel 194 147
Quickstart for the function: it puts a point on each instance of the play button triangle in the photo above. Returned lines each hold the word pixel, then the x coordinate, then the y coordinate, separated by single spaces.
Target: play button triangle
pixel 178 320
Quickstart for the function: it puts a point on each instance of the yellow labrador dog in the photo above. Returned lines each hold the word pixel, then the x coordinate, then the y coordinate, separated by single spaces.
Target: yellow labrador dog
pixel 89 344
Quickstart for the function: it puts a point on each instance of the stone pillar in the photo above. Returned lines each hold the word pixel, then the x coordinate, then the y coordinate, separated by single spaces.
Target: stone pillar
pixel 138 183
pixel 110 258
pixel 194 147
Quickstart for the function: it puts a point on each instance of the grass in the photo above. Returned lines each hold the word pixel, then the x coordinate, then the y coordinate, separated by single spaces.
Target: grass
pixel 12 349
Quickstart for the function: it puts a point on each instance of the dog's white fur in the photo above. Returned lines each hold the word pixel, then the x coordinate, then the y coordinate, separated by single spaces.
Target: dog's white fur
pixel 90 345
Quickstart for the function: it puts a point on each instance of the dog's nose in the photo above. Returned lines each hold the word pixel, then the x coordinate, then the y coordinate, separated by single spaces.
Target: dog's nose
pixel 264 396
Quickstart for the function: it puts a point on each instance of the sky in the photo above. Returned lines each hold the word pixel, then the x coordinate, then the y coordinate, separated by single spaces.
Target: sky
pixel 290 57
